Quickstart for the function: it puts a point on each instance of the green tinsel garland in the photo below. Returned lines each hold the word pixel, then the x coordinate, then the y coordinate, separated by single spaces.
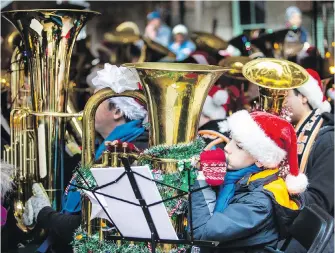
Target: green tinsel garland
pixel 84 176
pixel 177 152
pixel 183 153
pixel 91 244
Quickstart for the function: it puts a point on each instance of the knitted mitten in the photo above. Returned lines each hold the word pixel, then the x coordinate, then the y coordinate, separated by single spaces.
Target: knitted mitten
pixel 213 165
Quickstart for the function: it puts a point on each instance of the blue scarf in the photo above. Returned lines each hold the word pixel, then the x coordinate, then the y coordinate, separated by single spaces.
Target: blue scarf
pixel 227 189
pixel 127 132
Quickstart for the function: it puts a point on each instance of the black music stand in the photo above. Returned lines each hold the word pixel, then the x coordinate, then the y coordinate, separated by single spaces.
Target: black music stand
pixel 154 239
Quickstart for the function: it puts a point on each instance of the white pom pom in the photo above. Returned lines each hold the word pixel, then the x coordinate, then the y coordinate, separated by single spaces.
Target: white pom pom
pixel 220 97
pixel 296 184
pixel 325 107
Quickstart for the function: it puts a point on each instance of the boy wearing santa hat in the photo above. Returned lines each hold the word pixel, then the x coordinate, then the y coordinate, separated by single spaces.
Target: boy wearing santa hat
pixel 259 194
pixel 314 126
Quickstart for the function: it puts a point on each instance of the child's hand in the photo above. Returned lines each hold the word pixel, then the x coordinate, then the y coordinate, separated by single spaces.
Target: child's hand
pixel 213 166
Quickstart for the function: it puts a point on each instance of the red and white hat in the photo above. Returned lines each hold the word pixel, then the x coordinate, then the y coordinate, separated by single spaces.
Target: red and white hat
pixel 216 103
pixel 272 141
pixel 313 91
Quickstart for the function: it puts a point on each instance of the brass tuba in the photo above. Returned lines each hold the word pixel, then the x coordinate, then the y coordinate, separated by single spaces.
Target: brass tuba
pixel 174 94
pixel 274 78
pixel 48 37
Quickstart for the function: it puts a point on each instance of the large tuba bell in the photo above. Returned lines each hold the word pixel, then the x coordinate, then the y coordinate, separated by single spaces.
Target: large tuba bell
pixel 174 94
pixel 48 37
pixel 274 78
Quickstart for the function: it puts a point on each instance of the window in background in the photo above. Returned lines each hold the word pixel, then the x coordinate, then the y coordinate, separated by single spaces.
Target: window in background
pixel 248 15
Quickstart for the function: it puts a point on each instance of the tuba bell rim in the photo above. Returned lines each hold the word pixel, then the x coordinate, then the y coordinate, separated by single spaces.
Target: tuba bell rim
pixel 177 67
pixel 300 69
pixel 52 10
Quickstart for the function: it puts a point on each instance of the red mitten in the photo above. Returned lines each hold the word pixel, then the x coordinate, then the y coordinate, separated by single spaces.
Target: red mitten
pixel 213 165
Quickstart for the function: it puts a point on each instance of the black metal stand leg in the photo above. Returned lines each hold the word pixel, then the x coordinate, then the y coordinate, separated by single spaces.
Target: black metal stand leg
pixel 153 244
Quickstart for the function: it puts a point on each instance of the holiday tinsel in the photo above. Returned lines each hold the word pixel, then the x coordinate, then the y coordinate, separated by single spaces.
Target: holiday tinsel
pixel 186 155
pixel 91 244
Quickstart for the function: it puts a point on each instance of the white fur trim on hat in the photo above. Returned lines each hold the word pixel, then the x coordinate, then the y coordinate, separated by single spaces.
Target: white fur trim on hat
pixel 130 108
pixel 220 97
pixel 253 139
pixel 213 111
pixel 223 126
pixel 296 184
pixel 311 90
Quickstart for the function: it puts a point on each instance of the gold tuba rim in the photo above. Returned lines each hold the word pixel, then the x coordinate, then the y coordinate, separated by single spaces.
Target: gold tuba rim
pixel 301 73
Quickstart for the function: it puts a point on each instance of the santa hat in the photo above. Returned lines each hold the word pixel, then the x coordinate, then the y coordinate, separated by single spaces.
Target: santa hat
pixel 272 141
pixel 121 79
pixel 215 106
pixel 313 91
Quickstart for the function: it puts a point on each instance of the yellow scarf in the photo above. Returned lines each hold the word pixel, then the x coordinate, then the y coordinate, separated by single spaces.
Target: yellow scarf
pixel 277 188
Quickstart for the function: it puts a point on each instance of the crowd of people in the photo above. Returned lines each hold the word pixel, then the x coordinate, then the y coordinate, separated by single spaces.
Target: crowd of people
pixel 275 167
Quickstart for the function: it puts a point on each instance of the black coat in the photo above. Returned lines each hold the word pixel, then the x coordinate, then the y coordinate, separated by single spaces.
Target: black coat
pixel 320 173
pixel 61 227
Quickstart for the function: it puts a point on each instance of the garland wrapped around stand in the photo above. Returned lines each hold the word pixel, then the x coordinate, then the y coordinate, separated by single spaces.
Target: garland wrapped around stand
pixel 187 156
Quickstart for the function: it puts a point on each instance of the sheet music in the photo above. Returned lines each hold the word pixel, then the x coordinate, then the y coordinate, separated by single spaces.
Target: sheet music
pixel 129 218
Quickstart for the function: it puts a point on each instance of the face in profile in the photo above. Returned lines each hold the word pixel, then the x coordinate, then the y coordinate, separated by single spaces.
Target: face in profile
pixel 236 157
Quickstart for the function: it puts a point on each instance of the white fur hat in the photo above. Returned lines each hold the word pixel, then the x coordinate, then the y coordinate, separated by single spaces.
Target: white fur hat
pixel 312 90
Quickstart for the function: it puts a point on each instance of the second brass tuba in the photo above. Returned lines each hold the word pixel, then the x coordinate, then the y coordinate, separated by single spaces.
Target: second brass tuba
pixel 274 78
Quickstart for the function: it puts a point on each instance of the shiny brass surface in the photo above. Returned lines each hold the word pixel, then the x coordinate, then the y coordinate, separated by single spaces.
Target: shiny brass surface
pixel 174 94
pixel 274 78
pixel 129 27
pixel 48 36
pixel 235 63
pixel 153 51
pixel 121 37
pixel 208 41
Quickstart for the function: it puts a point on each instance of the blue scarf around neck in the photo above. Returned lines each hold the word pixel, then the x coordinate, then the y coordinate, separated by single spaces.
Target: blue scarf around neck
pixel 126 132
pixel 227 189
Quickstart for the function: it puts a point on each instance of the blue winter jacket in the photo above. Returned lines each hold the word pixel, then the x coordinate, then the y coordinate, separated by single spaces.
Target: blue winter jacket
pixel 252 221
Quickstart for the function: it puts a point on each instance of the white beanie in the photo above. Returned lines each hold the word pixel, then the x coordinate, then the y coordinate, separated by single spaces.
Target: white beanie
pixel 180 29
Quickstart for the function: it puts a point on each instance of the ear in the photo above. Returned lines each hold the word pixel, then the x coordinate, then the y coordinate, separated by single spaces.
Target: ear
pixel 118 114
pixel 304 100
pixel 258 164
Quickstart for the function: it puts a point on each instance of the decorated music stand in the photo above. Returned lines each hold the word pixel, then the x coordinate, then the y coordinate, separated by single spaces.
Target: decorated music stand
pixel 130 199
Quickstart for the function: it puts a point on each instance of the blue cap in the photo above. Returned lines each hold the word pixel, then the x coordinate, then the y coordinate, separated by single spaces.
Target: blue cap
pixel 153 15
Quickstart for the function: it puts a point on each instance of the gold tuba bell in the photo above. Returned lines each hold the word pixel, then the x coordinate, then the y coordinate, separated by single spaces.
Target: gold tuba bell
pixel 274 78
pixel 48 37
pixel 174 94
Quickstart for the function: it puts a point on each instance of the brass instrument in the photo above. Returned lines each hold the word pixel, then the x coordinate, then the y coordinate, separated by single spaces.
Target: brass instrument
pixel 48 37
pixel 274 78
pixel 153 51
pixel 208 42
pixel 235 64
pixel 174 94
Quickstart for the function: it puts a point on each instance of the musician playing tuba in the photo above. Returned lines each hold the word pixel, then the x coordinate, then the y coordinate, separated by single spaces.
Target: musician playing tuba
pixel 262 177
pixel 117 118
pixel 314 126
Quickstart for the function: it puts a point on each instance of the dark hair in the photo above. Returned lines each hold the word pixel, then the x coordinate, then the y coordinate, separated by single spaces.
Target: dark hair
pixel 112 106
pixel 296 92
